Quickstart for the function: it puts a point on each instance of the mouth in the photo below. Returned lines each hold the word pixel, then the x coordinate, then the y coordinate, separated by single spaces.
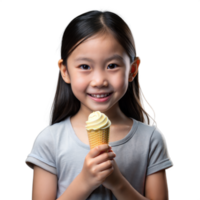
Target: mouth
pixel 102 97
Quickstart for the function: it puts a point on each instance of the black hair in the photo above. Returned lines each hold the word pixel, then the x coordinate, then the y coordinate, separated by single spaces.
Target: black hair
pixel 82 27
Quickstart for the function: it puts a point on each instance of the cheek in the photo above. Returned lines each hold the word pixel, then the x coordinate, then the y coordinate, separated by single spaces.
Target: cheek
pixel 78 86
pixel 122 86
pixel 120 82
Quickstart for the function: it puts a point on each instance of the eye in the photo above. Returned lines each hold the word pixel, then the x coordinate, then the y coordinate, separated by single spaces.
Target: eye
pixel 87 65
pixel 82 65
pixel 114 64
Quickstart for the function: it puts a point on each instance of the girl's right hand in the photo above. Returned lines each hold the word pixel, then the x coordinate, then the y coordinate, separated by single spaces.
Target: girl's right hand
pixel 97 165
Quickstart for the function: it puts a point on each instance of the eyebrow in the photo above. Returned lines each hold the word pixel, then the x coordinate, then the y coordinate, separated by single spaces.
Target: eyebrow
pixel 115 56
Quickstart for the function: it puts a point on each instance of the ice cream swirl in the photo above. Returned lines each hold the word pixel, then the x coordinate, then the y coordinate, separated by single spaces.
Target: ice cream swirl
pixel 97 120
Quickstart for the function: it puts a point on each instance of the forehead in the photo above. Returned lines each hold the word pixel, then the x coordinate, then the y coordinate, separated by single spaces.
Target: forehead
pixel 99 46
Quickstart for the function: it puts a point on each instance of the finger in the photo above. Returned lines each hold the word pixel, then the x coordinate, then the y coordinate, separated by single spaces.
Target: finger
pixel 98 150
pixel 110 150
pixel 104 166
pixel 103 158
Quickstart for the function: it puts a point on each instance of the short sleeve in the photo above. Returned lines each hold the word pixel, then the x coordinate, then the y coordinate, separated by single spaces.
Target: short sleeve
pixel 43 152
pixel 158 155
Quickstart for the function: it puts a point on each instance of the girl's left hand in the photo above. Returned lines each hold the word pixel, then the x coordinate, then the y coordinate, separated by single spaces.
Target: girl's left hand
pixel 114 179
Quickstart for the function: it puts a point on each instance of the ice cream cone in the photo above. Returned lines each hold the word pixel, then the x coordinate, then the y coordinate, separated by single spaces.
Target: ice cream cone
pixel 98 129
pixel 98 137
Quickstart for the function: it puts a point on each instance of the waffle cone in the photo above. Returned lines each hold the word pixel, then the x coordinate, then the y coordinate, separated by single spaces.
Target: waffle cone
pixel 98 137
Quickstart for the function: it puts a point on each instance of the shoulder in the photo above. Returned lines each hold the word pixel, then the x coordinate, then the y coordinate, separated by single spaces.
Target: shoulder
pixel 157 137
pixel 153 134
pixel 145 130
pixel 149 129
pixel 150 134
pixel 55 128
pixel 60 126
pixel 43 140
pixel 51 132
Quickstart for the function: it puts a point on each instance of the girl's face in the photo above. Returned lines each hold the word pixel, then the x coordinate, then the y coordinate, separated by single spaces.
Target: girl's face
pixel 98 65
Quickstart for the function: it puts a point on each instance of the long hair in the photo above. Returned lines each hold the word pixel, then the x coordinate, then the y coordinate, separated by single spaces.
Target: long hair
pixel 82 27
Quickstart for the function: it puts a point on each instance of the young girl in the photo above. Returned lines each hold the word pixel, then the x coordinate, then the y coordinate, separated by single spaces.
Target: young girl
pixel 99 72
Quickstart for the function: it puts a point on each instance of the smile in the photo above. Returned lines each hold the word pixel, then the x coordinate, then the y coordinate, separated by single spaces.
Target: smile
pixel 98 98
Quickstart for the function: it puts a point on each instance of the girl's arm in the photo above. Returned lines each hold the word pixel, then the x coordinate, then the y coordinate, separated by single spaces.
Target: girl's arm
pixel 77 190
pixel 45 187
pixel 44 184
pixel 156 186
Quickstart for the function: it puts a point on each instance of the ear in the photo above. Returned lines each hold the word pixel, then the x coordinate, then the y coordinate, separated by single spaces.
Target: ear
pixel 134 69
pixel 64 72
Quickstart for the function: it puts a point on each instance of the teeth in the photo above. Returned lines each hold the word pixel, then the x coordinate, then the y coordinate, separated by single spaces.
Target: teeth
pixel 99 96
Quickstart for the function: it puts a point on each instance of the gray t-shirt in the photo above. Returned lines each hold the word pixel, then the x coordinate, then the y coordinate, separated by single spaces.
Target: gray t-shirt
pixel 141 152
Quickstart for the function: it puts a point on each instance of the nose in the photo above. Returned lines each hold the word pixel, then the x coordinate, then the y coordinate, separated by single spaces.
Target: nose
pixel 99 80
